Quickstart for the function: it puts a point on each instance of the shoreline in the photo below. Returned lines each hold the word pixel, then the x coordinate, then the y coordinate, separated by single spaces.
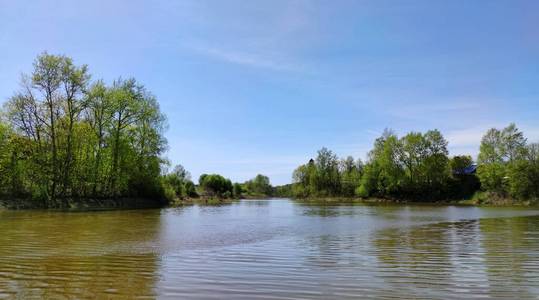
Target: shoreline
pixel 85 204
pixel 126 203
pixel 478 201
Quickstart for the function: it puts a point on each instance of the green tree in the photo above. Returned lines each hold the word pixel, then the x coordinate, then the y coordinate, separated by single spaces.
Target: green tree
pixel 260 185
pixel 178 180
pixel 304 180
pixel 214 185
pixel 386 165
pixel 350 175
pixel 237 190
pixel 327 179
pixel 523 174
pixel 435 164
pixel 504 166
pixel 412 153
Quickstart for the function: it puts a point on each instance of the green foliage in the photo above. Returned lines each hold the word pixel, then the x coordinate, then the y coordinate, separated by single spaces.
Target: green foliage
pixel 350 171
pixel 386 159
pixel 525 187
pixel 320 177
pixel 369 181
pixel 179 180
pixel 492 177
pixel 258 186
pixel 415 166
pixel 67 138
pixel 238 190
pixel 498 146
pixel 283 190
pixel 214 185
pixel 459 163
pixel 190 189
pixel 508 165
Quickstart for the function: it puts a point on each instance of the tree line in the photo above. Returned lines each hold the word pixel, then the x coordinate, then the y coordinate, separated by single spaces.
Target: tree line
pixel 178 185
pixel 417 166
pixel 65 138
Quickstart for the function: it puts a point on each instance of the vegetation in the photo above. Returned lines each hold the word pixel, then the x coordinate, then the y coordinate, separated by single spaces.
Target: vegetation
pixel 508 165
pixel 178 185
pixel 417 167
pixel 214 185
pixel 65 138
pixel 283 191
pixel 259 186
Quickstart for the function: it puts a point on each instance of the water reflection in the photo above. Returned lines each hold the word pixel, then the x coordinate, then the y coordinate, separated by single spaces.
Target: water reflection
pixel 74 255
pixel 272 249
pixel 490 256
pixel 509 258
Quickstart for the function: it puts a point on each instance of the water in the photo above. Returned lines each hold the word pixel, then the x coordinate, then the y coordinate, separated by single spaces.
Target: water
pixel 272 249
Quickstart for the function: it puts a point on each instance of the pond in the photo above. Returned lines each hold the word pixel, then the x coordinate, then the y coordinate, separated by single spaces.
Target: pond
pixel 272 249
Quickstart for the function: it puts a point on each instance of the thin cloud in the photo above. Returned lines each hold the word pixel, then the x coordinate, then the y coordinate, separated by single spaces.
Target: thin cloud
pixel 247 59
pixel 423 110
pixel 467 141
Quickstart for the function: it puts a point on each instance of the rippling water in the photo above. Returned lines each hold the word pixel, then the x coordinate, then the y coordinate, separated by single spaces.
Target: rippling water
pixel 272 249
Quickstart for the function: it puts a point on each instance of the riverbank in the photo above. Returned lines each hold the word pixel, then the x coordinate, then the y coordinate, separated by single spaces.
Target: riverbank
pixel 479 199
pixel 215 200
pixel 202 201
pixel 85 204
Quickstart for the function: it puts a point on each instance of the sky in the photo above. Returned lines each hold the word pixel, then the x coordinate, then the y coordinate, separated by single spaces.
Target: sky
pixel 254 87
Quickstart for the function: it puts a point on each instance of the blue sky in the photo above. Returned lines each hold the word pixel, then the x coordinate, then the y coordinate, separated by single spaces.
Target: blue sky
pixel 259 86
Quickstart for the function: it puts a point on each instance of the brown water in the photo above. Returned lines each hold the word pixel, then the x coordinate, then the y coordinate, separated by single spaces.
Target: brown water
pixel 274 249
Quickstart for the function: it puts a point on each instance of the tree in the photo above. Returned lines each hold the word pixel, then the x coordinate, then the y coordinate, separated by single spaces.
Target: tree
pixel 237 190
pixel 327 179
pixel 74 83
pixel 504 145
pixel 513 143
pixel 97 115
pixel 411 155
pixel 350 175
pixel 369 181
pixel 505 167
pixel 523 174
pixel 304 179
pixel 386 170
pixel 492 177
pixel 215 185
pixel 180 181
pixel 436 162
pixel 260 185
